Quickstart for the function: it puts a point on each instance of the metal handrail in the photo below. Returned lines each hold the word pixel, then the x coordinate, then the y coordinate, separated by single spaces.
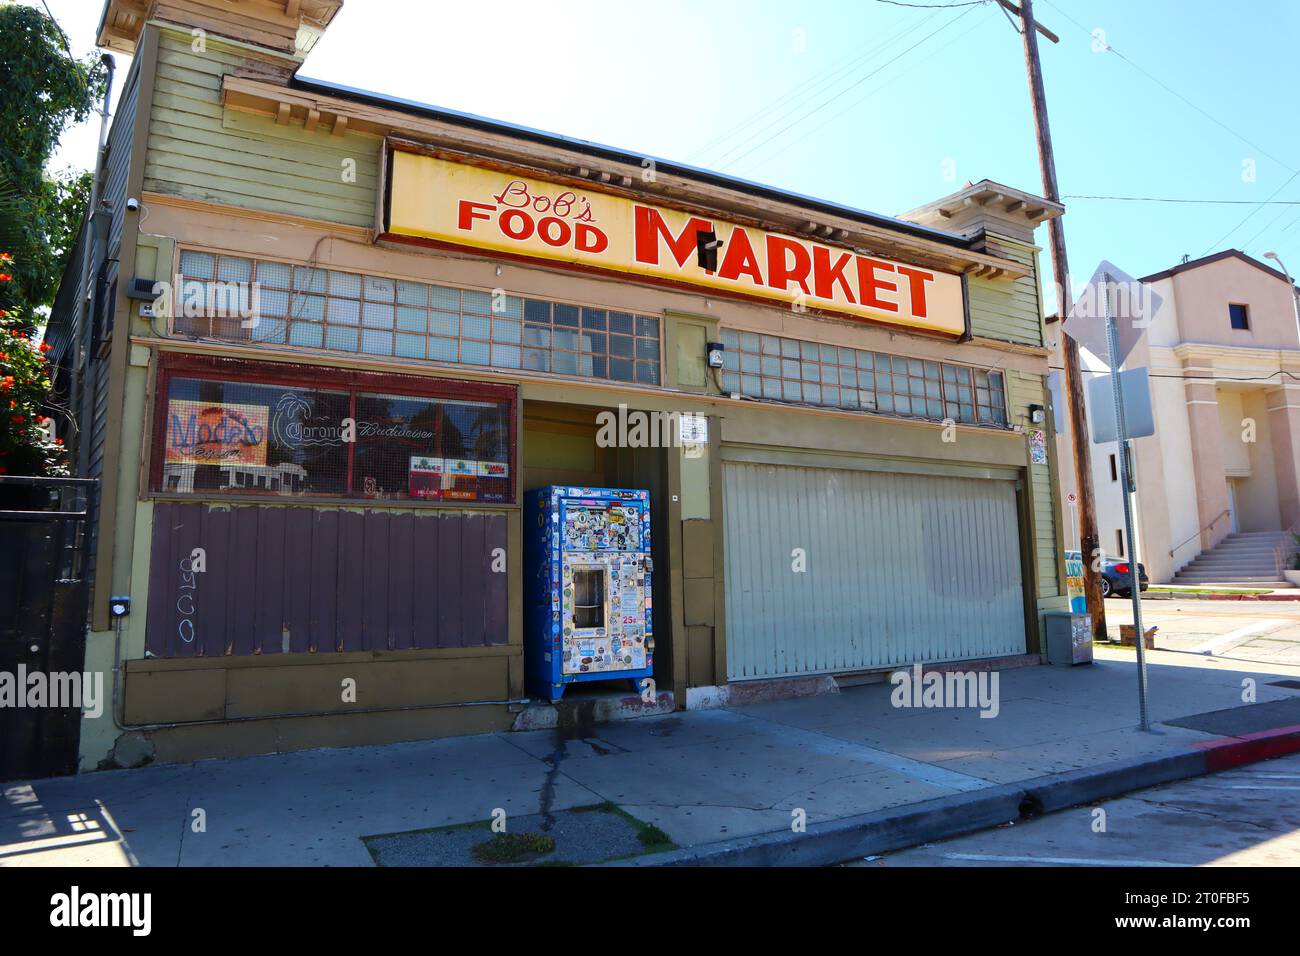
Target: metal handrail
pixel 1285 548
pixel 1226 511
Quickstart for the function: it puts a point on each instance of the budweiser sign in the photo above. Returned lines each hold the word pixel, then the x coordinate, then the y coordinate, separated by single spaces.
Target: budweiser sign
pixel 438 202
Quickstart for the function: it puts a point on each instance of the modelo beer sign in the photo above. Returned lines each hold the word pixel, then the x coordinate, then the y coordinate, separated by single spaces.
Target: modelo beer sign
pixel 438 202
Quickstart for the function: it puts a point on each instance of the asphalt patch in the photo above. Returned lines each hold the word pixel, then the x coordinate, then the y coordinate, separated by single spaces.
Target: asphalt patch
pixel 1240 721
pixel 582 835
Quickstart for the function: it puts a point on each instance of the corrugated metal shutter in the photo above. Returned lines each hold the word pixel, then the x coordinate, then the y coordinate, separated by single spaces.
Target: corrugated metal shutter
pixel 901 568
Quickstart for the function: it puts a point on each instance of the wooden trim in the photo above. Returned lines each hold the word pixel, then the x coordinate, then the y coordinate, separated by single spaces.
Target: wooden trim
pixel 670 190
pixel 232 662
pixel 338 230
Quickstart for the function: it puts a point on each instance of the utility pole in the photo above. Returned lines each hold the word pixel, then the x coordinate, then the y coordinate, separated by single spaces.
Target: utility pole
pixel 1089 542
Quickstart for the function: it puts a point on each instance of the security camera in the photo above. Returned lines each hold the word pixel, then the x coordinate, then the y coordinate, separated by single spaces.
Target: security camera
pixel 133 204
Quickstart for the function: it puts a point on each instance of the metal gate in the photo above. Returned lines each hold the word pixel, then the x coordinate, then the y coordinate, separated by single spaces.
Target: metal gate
pixel 44 526
pixel 835 570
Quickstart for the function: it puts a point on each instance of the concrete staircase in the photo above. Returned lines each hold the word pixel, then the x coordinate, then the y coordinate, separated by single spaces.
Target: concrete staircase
pixel 1246 560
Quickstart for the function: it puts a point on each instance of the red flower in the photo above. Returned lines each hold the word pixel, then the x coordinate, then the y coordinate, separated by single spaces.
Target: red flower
pixel 45 346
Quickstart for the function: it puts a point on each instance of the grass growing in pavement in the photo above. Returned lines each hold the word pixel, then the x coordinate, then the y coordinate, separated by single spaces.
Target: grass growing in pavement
pixel 1173 590
pixel 513 847
pixel 653 836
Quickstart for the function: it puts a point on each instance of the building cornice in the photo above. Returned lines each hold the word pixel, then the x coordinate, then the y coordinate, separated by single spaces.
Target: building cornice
pixel 319 111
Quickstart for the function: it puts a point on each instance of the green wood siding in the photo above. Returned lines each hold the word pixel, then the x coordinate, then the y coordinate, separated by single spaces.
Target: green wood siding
pixel 200 150
pixel 1024 390
pixel 1008 311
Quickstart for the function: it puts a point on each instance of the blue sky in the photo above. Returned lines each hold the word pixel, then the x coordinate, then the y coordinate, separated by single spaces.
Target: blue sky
pixel 876 105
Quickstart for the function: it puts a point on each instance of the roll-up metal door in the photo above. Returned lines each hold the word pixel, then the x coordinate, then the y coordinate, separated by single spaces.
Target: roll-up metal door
pixel 897 568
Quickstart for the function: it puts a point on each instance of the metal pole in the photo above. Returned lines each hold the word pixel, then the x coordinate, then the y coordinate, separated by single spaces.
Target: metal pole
pixel 1121 429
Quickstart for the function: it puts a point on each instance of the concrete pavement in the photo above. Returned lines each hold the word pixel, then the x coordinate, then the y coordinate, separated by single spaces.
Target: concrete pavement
pixel 704 777
pixel 1263 631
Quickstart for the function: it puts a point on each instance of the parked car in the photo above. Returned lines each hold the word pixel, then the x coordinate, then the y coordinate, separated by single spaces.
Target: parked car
pixel 1116 578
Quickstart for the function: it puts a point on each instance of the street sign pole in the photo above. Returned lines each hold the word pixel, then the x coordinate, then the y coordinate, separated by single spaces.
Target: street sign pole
pixel 1135 592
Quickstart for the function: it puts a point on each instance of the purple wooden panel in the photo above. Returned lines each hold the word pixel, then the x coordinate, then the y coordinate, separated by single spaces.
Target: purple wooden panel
pixel 302 559
pixel 214 583
pixel 185 613
pixel 158 620
pixel 496 594
pixel 473 575
pixel 324 581
pixel 401 581
pixel 241 601
pixel 424 581
pixel 337 580
pixel 351 582
pixel 268 619
pixel 375 592
pixel 450 593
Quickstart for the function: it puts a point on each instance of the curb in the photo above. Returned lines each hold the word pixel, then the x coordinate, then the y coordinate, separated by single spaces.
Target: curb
pixel 1191 596
pixel 897 828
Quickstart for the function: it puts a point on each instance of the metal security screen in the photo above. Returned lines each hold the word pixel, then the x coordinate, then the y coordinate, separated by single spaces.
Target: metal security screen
pixel 896 569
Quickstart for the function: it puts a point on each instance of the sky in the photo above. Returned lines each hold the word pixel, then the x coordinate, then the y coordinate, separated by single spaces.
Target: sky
pixel 876 105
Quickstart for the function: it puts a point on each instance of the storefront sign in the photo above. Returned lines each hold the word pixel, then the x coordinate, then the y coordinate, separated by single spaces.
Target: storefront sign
pixel 442 202
pixel 211 433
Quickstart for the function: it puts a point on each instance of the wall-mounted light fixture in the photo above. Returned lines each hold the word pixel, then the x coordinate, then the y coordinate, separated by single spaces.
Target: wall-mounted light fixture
pixel 1037 414
pixel 715 350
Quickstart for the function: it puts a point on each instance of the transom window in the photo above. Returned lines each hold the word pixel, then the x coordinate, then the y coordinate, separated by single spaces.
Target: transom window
pixel 235 298
pixel 791 370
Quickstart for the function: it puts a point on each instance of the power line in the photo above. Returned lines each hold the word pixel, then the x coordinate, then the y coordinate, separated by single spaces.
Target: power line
pixel 1168 89
pixel 1250 215
pixel 807 89
pixel 876 89
pixel 934 6
pixel 1221 202
pixel 855 84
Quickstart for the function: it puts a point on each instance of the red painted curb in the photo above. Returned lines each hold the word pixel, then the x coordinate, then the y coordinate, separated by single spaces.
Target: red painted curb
pixel 1232 752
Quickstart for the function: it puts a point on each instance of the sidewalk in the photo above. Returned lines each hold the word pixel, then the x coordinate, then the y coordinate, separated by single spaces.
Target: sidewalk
pixel 704 777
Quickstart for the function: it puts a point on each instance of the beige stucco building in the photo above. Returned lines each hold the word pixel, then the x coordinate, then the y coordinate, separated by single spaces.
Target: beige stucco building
pixel 1219 481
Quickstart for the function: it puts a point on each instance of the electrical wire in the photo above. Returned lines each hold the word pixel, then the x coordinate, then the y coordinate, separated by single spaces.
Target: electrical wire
pixel 855 84
pixel 807 88
pixel 1167 88
pixel 1220 202
pixel 876 89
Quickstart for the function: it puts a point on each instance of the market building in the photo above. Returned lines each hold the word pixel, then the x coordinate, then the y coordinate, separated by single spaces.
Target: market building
pixel 381 323
pixel 1219 481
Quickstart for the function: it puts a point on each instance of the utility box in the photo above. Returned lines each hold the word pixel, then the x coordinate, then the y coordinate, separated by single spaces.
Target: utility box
pixel 587 570
pixel 1069 638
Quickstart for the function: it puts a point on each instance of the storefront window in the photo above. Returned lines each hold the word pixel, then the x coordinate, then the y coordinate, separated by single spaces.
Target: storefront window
pixel 224 435
pixel 790 370
pixel 235 298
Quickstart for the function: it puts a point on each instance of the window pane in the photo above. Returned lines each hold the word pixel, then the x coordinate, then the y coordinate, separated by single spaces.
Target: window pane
pixel 246 438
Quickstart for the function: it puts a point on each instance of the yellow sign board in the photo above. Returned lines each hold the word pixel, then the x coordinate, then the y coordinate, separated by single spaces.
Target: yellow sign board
pixel 443 203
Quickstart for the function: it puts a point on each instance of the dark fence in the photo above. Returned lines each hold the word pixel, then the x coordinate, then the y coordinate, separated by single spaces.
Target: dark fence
pixel 44 530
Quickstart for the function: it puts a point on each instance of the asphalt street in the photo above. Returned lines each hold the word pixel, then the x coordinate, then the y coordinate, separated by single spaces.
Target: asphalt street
pixel 1246 817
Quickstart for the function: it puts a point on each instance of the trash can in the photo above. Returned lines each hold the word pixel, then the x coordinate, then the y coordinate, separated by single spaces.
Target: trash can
pixel 1069 638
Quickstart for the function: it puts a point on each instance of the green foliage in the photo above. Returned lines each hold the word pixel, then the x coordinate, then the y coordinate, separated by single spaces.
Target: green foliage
pixel 42 92
pixel 513 847
pixel 25 447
